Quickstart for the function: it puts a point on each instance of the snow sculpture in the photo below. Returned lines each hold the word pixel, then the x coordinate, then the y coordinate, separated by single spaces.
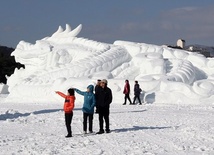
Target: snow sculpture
pixel 174 75
pixel 64 60
pixel 62 55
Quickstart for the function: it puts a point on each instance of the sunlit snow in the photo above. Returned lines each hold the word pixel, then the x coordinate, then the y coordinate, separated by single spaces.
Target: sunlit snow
pixel 176 116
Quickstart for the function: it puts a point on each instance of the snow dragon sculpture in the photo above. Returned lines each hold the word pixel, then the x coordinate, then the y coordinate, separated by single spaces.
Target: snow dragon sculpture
pixel 58 61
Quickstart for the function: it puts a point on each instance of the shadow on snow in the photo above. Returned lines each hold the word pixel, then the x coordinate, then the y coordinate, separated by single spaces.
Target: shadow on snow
pixel 129 111
pixel 136 128
pixel 14 115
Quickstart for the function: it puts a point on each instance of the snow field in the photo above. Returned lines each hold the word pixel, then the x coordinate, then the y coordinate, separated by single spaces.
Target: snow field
pixel 147 129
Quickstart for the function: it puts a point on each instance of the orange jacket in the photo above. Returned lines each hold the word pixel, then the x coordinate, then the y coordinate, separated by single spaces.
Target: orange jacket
pixel 69 102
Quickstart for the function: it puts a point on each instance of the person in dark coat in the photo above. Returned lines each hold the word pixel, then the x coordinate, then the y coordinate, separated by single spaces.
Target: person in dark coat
pixel 137 91
pixel 126 91
pixel 96 88
pixel 88 107
pixel 103 101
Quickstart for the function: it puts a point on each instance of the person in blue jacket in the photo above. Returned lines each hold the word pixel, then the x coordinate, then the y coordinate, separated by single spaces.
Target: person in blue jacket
pixel 88 107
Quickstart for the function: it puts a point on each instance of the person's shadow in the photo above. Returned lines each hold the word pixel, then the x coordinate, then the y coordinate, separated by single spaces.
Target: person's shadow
pixel 131 111
pixel 10 114
pixel 136 128
pixel 14 114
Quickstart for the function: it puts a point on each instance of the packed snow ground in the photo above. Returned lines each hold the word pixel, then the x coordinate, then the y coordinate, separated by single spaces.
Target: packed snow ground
pixel 136 129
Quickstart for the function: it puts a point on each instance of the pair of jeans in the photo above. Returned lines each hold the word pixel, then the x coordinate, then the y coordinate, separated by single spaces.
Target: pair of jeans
pixel 104 114
pixel 137 97
pixel 68 120
pixel 87 116
pixel 127 97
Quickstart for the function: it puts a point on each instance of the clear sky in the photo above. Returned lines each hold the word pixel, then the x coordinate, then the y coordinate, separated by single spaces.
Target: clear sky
pixel 148 21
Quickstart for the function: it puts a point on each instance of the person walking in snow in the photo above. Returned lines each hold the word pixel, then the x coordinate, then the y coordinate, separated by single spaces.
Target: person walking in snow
pixel 68 109
pixel 88 107
pixel 103 101
pixel 126 91
pixel 137 91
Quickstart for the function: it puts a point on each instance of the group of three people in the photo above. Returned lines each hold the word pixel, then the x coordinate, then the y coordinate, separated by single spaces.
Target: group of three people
pixel 101 99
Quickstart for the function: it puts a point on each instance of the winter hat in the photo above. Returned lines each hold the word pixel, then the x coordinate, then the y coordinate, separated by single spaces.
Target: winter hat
pixel 91 88
pixel 71 91
pixel 104 81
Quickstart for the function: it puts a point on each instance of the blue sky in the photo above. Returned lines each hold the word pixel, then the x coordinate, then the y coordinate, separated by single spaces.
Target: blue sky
pixel 148 21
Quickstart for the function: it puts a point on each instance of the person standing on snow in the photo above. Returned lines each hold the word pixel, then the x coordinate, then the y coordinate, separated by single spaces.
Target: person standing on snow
pixel 103 101
pixel 88 107
pixel 68 109
pixel 137 91
pixel 96 88
pixel 126 91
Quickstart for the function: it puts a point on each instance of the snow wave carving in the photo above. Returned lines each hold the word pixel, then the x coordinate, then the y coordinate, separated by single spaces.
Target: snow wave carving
pixel 183 73
pixel 204 87
pixel 160 60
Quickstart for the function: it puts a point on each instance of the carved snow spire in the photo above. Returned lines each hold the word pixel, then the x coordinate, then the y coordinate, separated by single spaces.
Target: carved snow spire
pixel 68 32
pixel 67 28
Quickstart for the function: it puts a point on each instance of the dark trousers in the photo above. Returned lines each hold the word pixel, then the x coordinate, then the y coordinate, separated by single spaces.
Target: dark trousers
pixel 127 97
pixel 68 119
pixel 104 114
pixel 137 97
pixel 85 118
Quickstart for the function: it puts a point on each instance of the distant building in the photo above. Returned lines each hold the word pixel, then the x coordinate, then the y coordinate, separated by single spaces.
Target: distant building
pixel 181 43
pixel 207 51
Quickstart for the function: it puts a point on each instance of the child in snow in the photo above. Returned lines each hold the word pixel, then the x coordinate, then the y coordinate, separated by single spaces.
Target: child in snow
pixel 88 107
pixel 68 109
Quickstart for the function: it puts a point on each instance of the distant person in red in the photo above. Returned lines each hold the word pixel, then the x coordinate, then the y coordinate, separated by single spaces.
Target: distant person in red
pixel 68 109
pixel 126 91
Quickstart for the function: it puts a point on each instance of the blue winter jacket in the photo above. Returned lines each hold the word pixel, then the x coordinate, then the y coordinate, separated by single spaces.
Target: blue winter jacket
pixel 89 100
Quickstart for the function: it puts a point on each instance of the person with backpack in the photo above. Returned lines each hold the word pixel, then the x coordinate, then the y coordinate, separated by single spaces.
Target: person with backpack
pixel 68 109
pixel 137 91
pixel 88 107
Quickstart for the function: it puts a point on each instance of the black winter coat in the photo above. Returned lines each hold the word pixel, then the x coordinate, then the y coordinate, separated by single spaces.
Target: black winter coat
pixel 103 97
pixel 137 89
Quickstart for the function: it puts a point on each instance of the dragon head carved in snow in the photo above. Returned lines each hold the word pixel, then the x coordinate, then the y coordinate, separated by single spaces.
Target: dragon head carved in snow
pixel 65 55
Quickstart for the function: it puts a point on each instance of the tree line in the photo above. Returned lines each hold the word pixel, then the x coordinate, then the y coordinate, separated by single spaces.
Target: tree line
pixel 7 63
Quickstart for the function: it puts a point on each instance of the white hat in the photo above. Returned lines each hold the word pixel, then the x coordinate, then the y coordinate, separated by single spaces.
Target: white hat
pixel 104 81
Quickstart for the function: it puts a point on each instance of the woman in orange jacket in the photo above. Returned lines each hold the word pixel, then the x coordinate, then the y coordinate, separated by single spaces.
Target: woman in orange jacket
pixel 68 109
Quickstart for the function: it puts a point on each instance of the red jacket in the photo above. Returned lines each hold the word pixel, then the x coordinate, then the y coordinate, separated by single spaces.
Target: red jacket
pixel 69 102
pixel 126 88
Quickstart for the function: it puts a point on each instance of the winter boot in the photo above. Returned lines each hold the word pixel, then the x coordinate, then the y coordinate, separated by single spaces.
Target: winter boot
pixel 100 132
pixel 68 136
